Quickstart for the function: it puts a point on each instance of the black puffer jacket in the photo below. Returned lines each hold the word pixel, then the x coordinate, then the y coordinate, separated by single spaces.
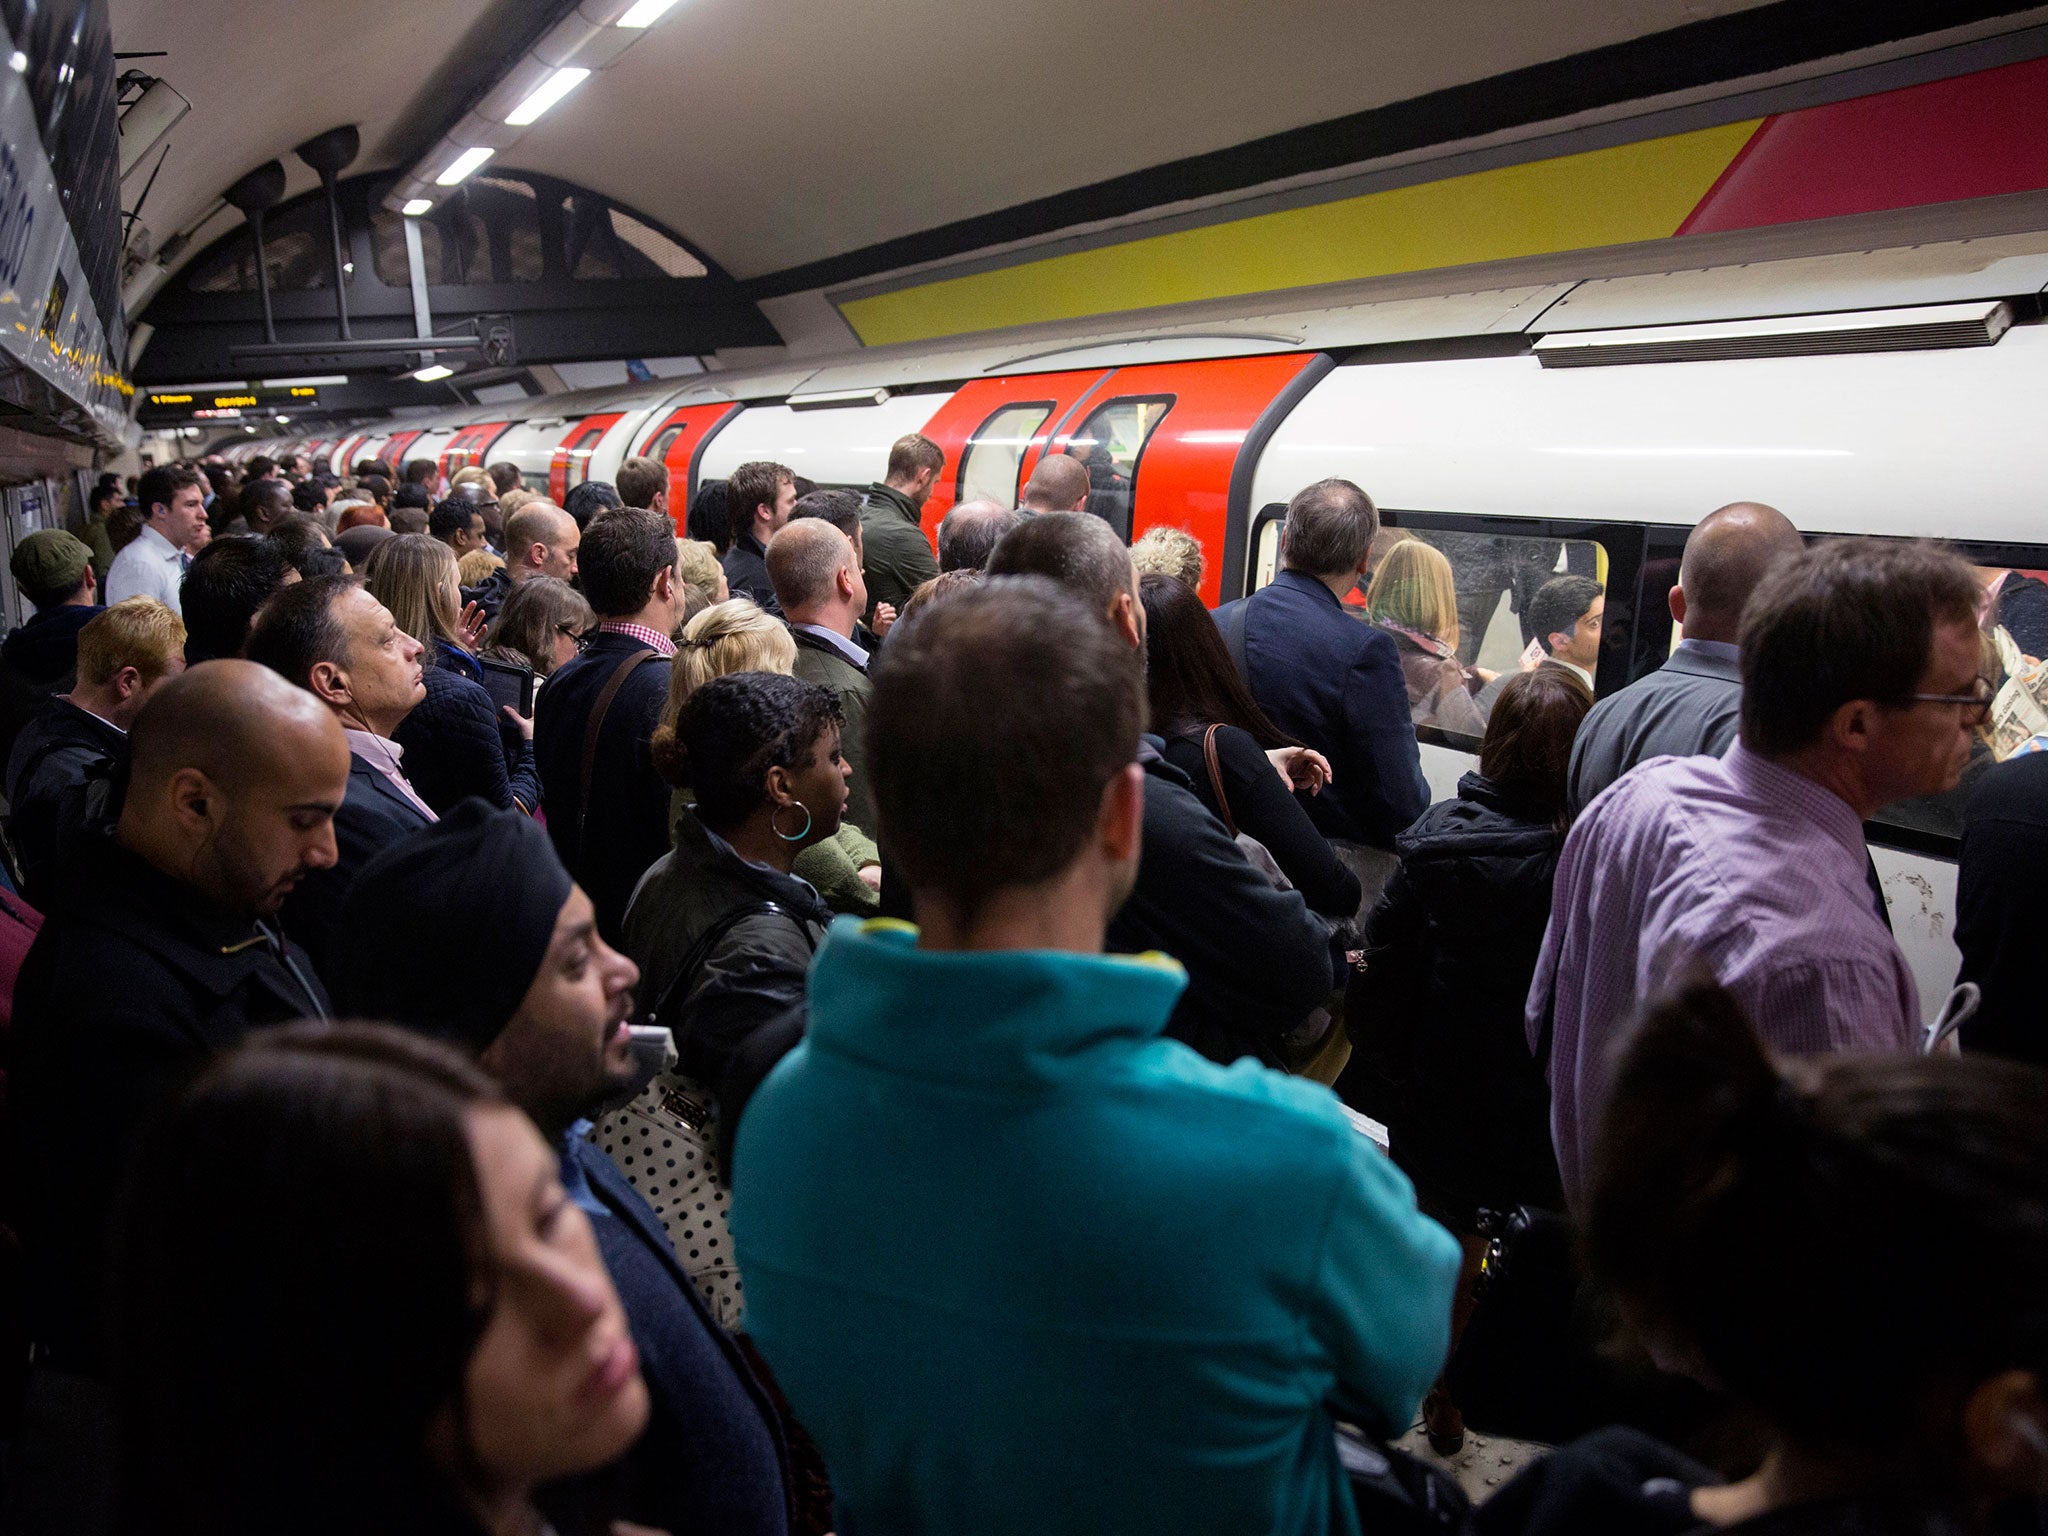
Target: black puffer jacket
pixel 1438 1048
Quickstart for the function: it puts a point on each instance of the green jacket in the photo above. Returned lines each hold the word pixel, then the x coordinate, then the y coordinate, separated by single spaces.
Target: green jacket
pixel 898 557
pixel 817 662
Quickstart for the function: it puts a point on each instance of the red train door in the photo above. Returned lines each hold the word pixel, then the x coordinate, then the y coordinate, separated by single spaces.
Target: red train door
pixel 569 465
pixel 1165 443
pixel 679 442
pixel 394 449
pixel 468 447
pixel 992 431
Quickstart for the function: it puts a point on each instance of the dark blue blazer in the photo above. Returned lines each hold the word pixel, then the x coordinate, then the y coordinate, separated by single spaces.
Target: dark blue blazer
pixel 372 815
pixel 1335 684
pixel 712 1457
pixel 628 824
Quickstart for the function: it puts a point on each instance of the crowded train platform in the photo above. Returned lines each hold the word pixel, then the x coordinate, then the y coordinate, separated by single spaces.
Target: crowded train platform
pixel 1279 771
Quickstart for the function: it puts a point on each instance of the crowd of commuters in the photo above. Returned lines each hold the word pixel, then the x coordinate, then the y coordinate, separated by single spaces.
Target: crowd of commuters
pixel 773 1016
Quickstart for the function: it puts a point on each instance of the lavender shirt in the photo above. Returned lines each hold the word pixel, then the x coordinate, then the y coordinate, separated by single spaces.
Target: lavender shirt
pixel 1743 864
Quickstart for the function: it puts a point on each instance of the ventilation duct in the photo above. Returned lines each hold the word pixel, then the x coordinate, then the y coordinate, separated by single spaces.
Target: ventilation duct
pixel 1923 328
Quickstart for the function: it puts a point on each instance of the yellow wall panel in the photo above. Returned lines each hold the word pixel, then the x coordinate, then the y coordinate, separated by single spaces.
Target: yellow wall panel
pixel 1572 202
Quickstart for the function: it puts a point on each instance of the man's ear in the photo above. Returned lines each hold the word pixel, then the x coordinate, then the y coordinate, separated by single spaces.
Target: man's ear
pixel 845 579
pixel 664 588
pixel 1122 613
pixel 329 684
pixel 1852 725
pixel 194 804
pixel 1120 820
pixel 125 681
pixel 1677 601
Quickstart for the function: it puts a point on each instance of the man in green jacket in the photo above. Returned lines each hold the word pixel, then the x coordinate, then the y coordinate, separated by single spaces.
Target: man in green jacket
pixel 1022 1264
pixel 897 558
pixel 819 585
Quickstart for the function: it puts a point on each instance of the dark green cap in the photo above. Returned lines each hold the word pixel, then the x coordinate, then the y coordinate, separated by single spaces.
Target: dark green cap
pixel 50 560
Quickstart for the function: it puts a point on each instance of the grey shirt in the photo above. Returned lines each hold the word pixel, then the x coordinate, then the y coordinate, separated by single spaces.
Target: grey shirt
pixel 1689 707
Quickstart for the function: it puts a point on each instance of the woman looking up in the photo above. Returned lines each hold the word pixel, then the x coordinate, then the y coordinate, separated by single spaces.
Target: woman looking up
pixel 414 1334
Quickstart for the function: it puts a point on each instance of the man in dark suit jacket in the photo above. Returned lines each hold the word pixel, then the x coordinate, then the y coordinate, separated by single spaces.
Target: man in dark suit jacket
pixel 2001 899
pixel 607 806
pixel 760 497
pixel 544 1002
pixel 341 645
pixel 1327 679
pixel 1693 703
pixel 159 949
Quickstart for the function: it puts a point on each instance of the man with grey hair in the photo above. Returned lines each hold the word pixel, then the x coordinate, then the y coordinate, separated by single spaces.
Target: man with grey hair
pixel 818 582
pixel 1692 704
pixel 970 533
pixel 1332 682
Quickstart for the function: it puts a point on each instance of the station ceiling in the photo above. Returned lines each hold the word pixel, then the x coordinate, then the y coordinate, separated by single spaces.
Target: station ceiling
pixel 789 140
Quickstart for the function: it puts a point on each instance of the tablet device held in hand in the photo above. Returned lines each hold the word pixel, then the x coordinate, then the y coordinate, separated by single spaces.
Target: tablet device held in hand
pixel 507 683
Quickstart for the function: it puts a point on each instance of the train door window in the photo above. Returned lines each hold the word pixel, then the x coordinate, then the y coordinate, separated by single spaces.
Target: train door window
pixel 577 467
pixel 988 469
pixel 1110 443
pixel 664 440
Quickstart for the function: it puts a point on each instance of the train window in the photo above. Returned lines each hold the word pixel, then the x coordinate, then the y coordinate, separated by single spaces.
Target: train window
pixel 988 470
pixel 1110 442
pixel 664 440
pixel 1458 606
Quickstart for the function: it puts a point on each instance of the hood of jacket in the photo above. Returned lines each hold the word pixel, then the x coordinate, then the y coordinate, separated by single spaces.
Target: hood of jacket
pixel 46 648
pixel 1014 1016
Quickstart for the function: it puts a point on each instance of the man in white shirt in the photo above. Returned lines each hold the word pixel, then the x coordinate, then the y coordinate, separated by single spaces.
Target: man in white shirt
pixel 152 564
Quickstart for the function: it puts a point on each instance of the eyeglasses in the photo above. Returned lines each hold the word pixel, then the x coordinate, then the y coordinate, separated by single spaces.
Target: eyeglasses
pixel 1976 704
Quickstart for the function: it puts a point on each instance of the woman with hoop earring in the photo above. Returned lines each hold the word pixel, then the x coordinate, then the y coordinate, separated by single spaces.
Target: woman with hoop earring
pixel 727 929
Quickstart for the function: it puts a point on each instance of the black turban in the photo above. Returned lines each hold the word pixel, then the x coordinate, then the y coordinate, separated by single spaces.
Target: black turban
pixel 445 929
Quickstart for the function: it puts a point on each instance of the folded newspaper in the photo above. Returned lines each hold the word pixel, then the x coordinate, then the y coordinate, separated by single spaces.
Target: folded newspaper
pixel 2019 714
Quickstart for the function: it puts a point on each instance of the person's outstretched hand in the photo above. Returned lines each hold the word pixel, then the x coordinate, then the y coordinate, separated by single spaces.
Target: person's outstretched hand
pixel 472 625
pixel 885 619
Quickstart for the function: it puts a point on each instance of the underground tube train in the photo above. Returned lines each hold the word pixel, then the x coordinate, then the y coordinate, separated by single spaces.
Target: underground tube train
pixel 1583 424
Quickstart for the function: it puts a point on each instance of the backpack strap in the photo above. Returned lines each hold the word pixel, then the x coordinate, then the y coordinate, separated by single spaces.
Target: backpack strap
pixel 603 707
pixel 710 939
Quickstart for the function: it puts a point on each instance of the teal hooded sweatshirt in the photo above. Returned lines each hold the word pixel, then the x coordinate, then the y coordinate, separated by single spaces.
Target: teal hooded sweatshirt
pixel 1023 1265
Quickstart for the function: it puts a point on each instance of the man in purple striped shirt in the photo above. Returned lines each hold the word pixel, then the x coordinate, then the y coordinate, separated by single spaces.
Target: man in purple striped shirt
pixel 1860 687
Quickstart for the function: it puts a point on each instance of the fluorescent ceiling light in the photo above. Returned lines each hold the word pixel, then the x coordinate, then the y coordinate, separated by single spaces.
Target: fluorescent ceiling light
pixel 546 94
pixel 316 380
pixel 434 371
pixel 418 206
pixel 645 13
pixel 461 166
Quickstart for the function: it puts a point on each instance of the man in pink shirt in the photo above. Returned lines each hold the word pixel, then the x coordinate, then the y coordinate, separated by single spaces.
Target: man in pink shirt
pixel 1860 688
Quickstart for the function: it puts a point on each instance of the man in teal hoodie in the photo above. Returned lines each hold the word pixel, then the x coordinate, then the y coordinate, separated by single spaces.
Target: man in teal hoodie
pixel 1020 1263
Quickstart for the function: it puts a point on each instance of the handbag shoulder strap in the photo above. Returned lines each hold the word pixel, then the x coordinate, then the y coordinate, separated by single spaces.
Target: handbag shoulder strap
pixel 602 708
pixel 709 940
pixel 1215 766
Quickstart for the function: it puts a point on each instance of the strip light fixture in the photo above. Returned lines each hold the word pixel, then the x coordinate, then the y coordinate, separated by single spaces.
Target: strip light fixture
pixel 546 94
pixel 582 43
pixel 433 373
pixel 644 13
pixel 460 167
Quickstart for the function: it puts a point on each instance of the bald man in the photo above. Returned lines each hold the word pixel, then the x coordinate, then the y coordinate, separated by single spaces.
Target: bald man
pixel 1692 704
pixel 1059 484
pixel 817 577
pixel 160 950
pixel 970 533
